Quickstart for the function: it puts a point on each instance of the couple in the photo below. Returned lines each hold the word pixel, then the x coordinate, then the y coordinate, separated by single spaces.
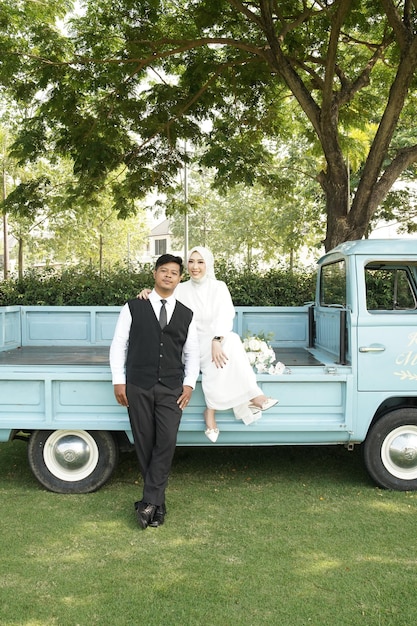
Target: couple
pixel 155 366
pixel 228 380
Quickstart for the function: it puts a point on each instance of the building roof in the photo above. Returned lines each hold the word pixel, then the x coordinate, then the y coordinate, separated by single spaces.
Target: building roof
pixel 161 229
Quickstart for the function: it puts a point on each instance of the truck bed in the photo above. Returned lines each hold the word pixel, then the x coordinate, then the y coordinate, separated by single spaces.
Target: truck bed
pixel 291 357
pixel 56 355
pixel 55 376
pixel 99 355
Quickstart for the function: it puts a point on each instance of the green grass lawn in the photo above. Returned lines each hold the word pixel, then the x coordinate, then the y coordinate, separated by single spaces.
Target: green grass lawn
pixel 253 536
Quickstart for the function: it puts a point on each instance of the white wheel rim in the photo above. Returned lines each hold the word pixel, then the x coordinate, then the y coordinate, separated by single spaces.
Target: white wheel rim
pixel 399 452
pixel 70 455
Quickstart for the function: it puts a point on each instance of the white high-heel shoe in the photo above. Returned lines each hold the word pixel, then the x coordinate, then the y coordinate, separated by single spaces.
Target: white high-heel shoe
pixel 212 434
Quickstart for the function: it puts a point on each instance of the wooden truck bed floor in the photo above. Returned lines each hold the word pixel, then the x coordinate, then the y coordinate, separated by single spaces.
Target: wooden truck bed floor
pixel 99 355
pixel 56 355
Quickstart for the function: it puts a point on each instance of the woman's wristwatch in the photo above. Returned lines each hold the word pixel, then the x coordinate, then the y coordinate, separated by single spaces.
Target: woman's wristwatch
pixel 217 338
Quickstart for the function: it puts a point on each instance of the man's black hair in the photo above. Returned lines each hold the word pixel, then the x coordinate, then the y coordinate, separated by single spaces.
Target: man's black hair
pixel 169 258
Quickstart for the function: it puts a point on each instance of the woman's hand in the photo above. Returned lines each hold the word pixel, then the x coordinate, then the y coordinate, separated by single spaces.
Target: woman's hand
pixel 185 397
pixel 144 294
pixel 218 357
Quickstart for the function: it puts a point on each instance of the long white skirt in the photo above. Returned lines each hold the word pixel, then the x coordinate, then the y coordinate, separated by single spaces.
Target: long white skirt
pixel 232 385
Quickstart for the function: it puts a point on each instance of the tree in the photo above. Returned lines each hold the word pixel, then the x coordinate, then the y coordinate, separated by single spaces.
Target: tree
pixel 51 227
pixel 53 233
pixel 129 79
pixel 246 222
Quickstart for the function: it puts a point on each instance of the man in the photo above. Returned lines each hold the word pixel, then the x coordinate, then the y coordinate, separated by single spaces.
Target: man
pixel 154 359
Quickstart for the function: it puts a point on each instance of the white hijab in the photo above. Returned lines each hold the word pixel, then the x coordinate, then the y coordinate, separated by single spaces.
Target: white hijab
pixel 210 300
pixel 208 257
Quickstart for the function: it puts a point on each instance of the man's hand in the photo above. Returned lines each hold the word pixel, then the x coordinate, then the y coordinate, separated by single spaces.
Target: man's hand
pixel 185 397
pixel 120 394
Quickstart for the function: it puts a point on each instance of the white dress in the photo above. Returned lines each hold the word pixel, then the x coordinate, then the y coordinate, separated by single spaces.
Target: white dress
pixel 235 383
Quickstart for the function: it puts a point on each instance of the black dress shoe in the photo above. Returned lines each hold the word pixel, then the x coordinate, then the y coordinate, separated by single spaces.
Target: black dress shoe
pixel 159 516
pixel 145 515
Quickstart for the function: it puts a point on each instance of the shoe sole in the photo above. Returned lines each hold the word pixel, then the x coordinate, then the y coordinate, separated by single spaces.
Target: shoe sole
pixel 268 405
pixel 155 524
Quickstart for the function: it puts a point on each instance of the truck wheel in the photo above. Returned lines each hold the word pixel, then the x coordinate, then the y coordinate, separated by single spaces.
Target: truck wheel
pixel 72 461
pixel 390 450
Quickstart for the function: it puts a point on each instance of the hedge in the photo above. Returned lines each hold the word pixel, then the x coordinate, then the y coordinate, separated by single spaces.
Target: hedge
pixel 85 286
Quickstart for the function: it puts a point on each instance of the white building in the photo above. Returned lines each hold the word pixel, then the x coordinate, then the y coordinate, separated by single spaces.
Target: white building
pixel 160 242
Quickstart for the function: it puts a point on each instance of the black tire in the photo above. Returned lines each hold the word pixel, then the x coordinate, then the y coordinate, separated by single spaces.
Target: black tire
pixel 390 450
pixel 72 461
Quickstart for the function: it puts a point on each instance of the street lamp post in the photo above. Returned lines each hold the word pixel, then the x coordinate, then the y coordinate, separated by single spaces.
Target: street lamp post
pixel 185 203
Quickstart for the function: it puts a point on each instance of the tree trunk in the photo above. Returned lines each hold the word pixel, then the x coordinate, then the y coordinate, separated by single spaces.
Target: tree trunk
pixel 348 218
pixel 335 184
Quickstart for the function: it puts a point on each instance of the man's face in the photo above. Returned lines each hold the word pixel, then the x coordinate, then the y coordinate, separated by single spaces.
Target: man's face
pixel 167 277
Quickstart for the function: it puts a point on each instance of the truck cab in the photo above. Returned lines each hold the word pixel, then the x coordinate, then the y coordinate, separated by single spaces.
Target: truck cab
pixel 374 283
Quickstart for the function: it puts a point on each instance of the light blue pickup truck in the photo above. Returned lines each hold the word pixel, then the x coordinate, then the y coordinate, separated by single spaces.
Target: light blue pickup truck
pixel 350 375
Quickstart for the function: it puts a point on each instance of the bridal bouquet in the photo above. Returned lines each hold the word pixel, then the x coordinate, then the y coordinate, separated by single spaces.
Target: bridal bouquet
pixel 261 355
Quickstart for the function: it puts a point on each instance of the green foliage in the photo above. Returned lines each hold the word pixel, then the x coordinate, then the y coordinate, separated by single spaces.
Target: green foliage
pixel 54 224
pixel 85 286
pixel 125 83
pixel 262 223
pixel 388 289
pixel 76 286
pixel 28 198
pixel 275 287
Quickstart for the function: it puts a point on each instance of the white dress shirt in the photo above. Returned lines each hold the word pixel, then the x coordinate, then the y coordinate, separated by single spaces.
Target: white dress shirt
pixel 120 343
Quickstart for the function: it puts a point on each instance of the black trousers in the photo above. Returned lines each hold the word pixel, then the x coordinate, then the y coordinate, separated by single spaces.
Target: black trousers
pixel 154 418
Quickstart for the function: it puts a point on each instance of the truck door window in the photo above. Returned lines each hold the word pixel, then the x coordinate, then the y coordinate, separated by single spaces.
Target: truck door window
pixel 389 289
pixel 333 284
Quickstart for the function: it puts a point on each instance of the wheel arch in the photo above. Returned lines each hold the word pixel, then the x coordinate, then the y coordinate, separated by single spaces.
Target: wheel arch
pixel 391 404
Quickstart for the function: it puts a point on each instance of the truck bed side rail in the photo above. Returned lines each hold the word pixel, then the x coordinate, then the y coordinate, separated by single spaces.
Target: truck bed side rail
pixel 94 326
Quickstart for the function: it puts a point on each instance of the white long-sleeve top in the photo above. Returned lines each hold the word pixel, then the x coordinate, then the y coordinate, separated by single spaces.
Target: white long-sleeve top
pixel 120 343
pixel 235 383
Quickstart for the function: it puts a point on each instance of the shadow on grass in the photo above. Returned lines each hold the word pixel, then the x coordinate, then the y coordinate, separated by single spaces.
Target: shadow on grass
pixel 294 464
pixel 301 464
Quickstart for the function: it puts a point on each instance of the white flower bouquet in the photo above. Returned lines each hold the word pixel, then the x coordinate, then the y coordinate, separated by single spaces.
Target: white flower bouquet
pixel 261 355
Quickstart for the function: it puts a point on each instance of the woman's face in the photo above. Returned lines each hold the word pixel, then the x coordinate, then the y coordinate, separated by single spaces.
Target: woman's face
pixel 196 266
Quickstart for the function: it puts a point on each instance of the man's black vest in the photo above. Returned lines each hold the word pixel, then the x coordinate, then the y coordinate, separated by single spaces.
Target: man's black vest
pixel 155 355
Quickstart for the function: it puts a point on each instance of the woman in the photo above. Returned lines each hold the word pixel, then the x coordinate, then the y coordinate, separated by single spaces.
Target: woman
pixel 228 379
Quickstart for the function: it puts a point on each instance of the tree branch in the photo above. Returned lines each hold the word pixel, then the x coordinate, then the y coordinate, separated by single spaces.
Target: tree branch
pixel 397 24
pixel 404 158
pixel 363 79
pixel 180 113
pixel 282 66
pixel 242 8
pixel 328 108
pixel 181 46
pixel 384 134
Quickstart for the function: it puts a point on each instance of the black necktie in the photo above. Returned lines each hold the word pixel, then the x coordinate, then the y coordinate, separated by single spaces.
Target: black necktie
pixel 163 315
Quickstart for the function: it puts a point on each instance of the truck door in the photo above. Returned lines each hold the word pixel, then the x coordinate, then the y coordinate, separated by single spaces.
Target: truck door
pixel 387 328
